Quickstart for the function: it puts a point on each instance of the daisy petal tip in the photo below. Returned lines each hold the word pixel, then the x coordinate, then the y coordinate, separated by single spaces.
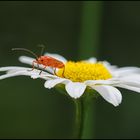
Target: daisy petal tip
pixel 53 82
pixel 116 104
pixel 110 94
pixel 75 89
pixel 47 86
pixel 34 76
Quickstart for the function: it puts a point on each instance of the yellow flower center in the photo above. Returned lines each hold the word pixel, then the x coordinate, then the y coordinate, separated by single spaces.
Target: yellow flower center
pixel 82 71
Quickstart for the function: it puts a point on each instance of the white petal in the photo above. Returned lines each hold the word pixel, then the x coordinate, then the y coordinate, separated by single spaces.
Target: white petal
pixel 29 60
pixel 7 76
pixel 75 89
pixel 131 77
pixel 126 71
pixel 110 94
pixel 111 81
pixel 133 88
pixel 26 59
pixel 56 56
pixel 110 67
pixel 132 80
pixel 91 60
pixel 12 68
pixel 13 74
pixel 131 83
pixel 51 83
pixel 17 71
pixel 35 76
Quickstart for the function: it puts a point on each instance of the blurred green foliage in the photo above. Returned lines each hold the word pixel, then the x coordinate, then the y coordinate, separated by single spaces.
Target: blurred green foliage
pixel 28 110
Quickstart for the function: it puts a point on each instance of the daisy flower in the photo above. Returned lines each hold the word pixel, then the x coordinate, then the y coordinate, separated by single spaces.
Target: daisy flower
pixel 98 76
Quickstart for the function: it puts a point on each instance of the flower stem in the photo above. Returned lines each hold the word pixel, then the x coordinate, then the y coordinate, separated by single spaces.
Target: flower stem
pixel 78 118
pixel 84 118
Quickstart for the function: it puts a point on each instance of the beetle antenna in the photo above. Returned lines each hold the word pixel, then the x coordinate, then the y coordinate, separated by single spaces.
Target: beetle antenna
pixel 42 49
pixel 23 49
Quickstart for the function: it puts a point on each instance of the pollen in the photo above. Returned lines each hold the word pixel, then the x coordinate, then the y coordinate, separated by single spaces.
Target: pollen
pixel 82 71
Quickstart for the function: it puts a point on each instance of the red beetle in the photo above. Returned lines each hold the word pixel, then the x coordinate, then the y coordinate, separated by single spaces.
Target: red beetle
pixel 46 61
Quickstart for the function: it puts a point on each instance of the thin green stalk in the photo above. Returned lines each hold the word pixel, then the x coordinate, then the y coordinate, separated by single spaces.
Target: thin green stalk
pixel 84 124
pixel 78 118
pixel 88 118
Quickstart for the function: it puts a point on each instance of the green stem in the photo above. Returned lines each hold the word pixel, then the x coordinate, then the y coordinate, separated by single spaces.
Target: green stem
pixel 88 118
pixel 84 118
pixel 78 118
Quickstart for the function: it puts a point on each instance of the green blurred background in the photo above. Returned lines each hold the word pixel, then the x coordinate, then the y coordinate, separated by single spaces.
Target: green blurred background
pixel 77 30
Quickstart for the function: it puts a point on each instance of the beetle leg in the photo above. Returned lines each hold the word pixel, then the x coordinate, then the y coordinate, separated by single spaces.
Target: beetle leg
pixel 42 70
pixel 33 66
pixel 55 71
pixel 63 72
pixel 38 65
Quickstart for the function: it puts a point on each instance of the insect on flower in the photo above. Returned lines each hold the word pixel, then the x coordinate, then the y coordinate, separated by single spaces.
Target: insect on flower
pixel 99 76
pixel 46 61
